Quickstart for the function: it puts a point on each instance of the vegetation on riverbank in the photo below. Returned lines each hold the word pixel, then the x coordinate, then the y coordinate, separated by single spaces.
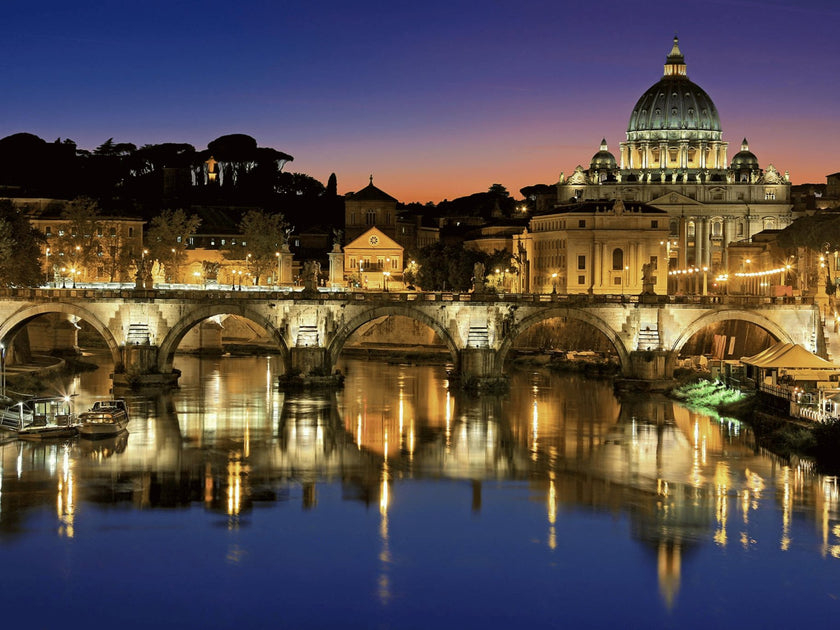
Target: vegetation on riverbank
pixel 781 435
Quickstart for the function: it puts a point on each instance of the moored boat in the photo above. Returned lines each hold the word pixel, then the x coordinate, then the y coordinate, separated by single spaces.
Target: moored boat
pixel 52 417
pixel 104 419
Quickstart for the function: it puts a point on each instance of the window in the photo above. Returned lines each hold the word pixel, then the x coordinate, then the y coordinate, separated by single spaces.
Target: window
pixel 617 259
pixel 617 280
pixel 581 262
pixel 112 232
pixel 581 279
pixel 582 223
pixel 370 217
pixel 130 232
pixel 769 195
pixel 654 224
pixel 394 263
pixel 48 231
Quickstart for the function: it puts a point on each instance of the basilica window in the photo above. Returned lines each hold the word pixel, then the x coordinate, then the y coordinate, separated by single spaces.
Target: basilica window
pixel 770 195
pixel 581 262
pixel 617 259
pixel 370 217
pixel 582 223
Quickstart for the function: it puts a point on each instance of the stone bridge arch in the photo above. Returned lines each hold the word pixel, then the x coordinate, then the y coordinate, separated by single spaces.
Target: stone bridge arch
pixel 167 348
pixel 20 318
pixel 707 319
pixel 368 315
pixel 571 313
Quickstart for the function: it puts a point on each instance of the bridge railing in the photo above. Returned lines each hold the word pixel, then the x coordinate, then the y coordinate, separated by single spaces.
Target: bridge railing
pixel 273 293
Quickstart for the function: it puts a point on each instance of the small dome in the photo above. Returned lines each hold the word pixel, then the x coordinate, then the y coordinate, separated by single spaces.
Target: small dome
pixel 744 159
pixel 603 160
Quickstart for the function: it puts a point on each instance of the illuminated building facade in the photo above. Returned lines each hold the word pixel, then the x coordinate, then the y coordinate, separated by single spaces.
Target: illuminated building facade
pixel 674 158
pixel 597 248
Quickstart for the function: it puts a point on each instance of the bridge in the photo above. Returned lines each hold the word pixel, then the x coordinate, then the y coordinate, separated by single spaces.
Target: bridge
pixel 143 328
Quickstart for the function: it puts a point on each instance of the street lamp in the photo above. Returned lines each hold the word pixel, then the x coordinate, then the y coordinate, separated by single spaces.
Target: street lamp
pixel 2 369
pixel 63 278
pixel 749 278
pixel 554 282
pixel 73 271
pixel 277 280
pixel 48 267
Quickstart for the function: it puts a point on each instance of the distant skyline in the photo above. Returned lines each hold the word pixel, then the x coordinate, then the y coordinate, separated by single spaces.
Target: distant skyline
pixel 436 100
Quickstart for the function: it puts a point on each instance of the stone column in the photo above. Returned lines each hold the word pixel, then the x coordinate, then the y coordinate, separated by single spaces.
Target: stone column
pixel 285 266
pixel 336 267
pixel 698 241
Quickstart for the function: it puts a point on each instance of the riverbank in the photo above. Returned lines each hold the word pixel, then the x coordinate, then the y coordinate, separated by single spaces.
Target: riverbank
pixel 784 436
pixel 42 371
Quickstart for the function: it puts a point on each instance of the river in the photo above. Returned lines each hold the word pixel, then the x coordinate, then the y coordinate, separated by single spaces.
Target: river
pixel 398 504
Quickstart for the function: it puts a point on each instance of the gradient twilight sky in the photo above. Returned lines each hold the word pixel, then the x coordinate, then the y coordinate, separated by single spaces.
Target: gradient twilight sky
pixel 436 99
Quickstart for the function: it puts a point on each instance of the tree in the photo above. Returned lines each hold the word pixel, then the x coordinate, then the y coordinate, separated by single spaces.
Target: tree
pixel 263 234
pixel 819 232
pixel 167 239
pixel 20 249
pixel 77 246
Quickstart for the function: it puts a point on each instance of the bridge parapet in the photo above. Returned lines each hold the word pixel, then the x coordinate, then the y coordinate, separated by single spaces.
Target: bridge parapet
pixel 478 330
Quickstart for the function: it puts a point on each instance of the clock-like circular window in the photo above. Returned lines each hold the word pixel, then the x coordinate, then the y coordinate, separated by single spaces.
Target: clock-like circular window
pixel 374 239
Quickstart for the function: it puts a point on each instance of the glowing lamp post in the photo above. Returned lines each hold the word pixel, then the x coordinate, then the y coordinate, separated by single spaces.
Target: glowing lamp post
pixel 554 282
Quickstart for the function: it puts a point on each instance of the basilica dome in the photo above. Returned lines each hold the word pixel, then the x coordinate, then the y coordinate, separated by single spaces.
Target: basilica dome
pixel 674 103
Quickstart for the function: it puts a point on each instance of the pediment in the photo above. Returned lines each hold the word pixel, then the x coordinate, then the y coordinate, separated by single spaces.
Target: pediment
pixel 673 199
pixel 381 240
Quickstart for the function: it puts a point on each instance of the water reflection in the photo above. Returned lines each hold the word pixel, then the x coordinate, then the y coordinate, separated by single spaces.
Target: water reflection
pixel 228 440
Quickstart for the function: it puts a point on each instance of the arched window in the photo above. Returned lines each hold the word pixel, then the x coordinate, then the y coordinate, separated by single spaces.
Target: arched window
pixel 618 259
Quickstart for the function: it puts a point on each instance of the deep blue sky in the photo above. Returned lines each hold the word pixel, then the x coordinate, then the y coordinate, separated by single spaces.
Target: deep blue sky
pixel 436 99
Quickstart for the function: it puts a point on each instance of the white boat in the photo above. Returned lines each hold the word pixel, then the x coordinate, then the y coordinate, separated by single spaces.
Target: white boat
pixel 104 419
pixel 52 417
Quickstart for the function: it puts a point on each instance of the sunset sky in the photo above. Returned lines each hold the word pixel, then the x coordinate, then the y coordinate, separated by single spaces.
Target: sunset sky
pixel 435 99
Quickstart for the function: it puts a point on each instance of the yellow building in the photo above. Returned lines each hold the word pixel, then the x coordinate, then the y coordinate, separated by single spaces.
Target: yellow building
pixel 374 261
pixel 601 247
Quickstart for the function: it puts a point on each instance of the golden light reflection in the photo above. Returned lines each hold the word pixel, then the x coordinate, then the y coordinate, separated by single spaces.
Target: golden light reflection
pixel 669 571
pixel 384 581
pixel 535 431
pixel 745 506
pixel 234 487
pixel 448 408
pixel 787 508
pixel 722 482
pixel 552 514
pixel 65 501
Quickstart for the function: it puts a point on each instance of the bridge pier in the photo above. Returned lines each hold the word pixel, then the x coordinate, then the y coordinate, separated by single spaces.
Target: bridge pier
pixel 309 361
pixel 477 369
pixel 649 370
pixel 140 368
